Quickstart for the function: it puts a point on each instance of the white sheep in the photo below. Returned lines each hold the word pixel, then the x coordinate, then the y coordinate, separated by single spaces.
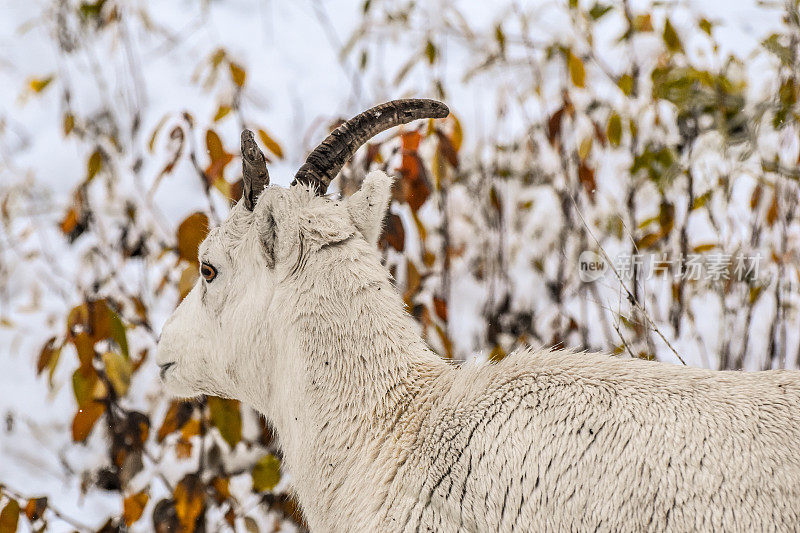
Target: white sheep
pixel 296 316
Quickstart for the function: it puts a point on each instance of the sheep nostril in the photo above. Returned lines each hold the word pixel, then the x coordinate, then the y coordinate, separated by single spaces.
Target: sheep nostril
pixel 164 368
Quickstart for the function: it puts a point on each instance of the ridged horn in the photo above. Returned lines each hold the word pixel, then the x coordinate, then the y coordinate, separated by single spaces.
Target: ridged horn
pixel 255 176
pixel 327 159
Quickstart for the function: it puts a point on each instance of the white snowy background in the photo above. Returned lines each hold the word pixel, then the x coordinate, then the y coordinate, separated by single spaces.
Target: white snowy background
pixel 304 69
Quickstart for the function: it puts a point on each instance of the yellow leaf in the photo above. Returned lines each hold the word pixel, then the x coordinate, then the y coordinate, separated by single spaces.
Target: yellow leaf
pixel 94 165
pixel 38 85
pixel 614 129
pixel 413 282
pixel 447 344
pixel 705 25
pixel 222 111
pixel 69 123
pixel 48 356
pixel 227 417
pixel 188 278
pixel 648 240
pixel 755 292
pixel 83 384
pixel 271 144
pixel 671 38
pixel 585 147
pixel 266 473
pixel 576 70
pixel 458 134
pixel 700 248
pixel 625 83
pixel 642 23
pixel 217 57
pixel 430 52
pixel 118 370
pixel 497 354
pixel 238 74
pixel 9 517
pixel 133 507
pixel 223 186
pixel 191 233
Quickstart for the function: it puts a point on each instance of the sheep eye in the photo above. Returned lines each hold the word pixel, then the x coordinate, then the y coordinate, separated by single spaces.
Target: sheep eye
pixel 208 272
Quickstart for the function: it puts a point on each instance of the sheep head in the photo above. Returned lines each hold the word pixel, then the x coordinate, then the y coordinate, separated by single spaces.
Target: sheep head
pixel 236 321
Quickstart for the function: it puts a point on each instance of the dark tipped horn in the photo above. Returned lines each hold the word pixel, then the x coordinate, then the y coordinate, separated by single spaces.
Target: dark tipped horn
pixel 327 159
pixel 254 170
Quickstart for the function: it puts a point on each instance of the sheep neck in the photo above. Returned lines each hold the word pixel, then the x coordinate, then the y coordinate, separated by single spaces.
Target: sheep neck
pixel 365 363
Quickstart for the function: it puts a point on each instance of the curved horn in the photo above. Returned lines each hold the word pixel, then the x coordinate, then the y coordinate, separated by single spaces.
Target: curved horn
pixel 254 170
pixel 327 159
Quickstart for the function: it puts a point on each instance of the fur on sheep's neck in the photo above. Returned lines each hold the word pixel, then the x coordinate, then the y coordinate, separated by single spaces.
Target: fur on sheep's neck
pixel 357 364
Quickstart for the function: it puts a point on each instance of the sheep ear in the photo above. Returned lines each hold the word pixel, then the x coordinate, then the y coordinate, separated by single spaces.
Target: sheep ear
pixel 268 236
pixel 367 207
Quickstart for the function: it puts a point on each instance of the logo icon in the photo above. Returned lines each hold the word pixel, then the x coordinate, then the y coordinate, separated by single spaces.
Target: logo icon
pixel 591 266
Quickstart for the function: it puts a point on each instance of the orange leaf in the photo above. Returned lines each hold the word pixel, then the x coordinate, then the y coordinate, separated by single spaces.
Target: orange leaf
pixel 440 306
pixel 183 448
pixel 35 508
pixel 189 501
pixel 221 488
pixel 772 212
pixel 410 141
pixel 191 232
pixel 755 198
pixel 586 175
pixel 133 507
pixel 70 221
pixel 85 420
pixel 177 416
pixel 219 157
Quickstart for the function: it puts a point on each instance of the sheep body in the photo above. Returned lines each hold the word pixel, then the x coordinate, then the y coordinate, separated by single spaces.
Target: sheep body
pixel 551 441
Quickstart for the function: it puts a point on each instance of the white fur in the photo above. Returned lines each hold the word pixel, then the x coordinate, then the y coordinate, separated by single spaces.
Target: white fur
pixel 380 434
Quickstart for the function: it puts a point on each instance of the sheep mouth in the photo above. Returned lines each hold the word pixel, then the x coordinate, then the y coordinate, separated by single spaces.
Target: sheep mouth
pixel 164 368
